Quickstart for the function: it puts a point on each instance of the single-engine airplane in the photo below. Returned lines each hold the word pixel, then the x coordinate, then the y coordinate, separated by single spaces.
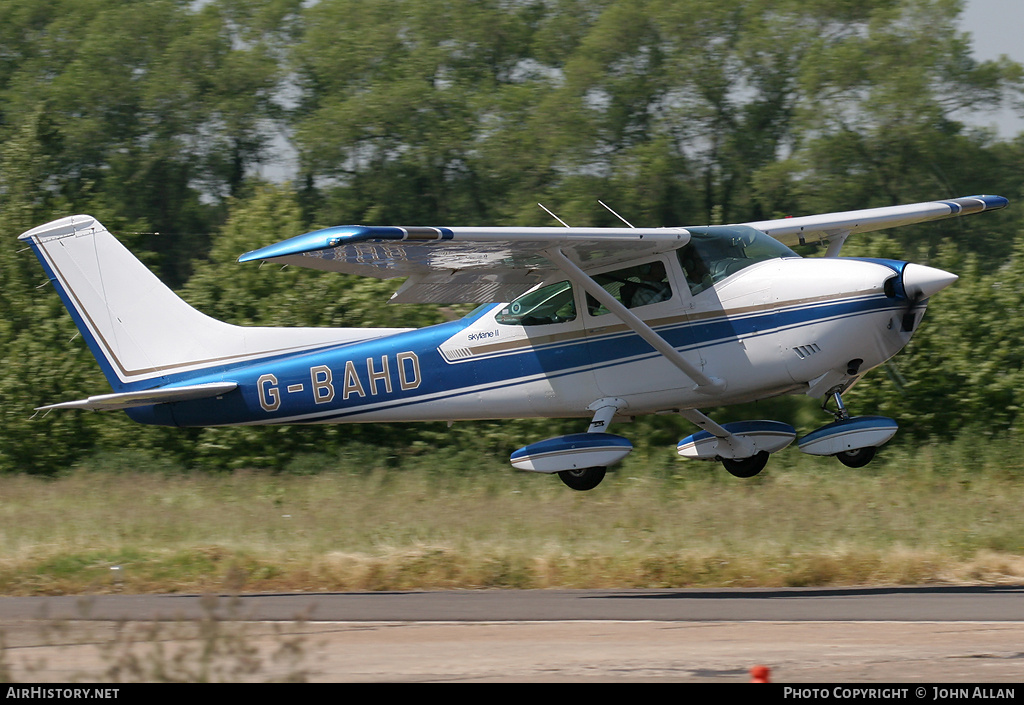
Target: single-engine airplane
pixel 598 323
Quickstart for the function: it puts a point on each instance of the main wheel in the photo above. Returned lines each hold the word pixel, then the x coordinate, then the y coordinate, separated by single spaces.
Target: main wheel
pixel 857 458
pixel 583 478
pixel 746 467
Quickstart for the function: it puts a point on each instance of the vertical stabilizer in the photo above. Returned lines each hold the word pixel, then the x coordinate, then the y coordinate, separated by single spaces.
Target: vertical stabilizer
pixel 140 331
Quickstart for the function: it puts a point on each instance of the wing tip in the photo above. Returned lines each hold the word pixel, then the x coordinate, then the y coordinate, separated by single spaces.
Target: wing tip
pixel 324 239
pixel 994 202
pixel 968 205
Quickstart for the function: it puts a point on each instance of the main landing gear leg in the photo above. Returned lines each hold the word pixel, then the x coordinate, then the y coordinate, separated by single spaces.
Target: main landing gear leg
pixel 583 479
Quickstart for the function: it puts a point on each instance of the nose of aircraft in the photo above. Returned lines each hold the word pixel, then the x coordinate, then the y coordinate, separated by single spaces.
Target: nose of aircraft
pixel 920 281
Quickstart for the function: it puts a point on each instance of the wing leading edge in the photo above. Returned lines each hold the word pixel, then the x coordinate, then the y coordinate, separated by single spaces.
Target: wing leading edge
pixel 497 264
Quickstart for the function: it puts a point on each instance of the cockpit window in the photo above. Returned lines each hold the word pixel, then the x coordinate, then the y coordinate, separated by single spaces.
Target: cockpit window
pixel 715 252
pixel 549 304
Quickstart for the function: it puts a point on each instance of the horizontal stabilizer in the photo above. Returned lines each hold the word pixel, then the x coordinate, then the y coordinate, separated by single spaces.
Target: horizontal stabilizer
pixel 128 400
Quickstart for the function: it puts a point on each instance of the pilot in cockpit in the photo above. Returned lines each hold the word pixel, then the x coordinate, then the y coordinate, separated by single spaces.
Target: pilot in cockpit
pixel 652 287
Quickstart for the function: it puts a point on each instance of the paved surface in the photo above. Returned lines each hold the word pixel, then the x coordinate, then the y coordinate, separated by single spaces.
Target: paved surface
pixel 879 635
pixel 991 603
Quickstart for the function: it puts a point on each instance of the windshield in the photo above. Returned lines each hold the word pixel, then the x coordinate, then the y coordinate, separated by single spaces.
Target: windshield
pixel 715 252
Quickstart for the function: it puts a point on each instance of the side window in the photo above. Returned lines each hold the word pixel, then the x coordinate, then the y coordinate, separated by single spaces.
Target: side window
pixel 635 286
pixel 549 304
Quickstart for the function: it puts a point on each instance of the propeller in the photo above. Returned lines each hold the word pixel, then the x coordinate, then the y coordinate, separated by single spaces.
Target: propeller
pixel 919 283
pixel 909 316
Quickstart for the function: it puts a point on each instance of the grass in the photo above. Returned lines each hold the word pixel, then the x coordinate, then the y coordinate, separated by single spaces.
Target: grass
pixel 931 514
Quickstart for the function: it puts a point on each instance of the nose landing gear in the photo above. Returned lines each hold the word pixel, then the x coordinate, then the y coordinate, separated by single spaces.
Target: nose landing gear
pixel 852 439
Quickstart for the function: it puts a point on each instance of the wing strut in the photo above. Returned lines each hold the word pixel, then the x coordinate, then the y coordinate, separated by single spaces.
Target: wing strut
pixel 708 385
pixel 836 241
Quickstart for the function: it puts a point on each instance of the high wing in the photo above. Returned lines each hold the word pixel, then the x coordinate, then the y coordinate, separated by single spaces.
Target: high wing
pixel 497 264
pixel 460 265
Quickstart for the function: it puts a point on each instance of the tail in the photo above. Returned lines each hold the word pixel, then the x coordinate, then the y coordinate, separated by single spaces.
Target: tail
pixel 141 333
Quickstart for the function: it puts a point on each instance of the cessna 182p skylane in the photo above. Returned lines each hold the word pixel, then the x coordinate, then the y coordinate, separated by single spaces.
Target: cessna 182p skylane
pixel 603 323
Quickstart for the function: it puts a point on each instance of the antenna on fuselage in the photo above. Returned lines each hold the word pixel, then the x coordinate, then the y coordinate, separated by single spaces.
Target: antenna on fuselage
pixel 553 215
pixel 614 213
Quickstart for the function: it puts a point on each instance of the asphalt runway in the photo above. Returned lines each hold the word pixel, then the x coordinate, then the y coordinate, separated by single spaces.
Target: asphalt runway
pixel 812 635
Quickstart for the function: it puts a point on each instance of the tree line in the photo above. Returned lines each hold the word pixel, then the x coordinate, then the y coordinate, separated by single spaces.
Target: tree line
pixel 198 131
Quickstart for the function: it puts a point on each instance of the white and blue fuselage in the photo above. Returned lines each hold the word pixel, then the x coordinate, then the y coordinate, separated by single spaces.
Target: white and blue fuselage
pixel 773 328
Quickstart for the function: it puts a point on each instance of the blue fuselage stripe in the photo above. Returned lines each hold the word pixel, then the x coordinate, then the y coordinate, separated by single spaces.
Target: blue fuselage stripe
pixel 437 379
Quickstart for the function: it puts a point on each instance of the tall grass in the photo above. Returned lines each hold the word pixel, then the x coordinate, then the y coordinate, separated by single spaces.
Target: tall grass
pixel 937 513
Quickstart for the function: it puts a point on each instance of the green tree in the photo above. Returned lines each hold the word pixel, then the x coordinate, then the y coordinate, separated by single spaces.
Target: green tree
pixel 157 116
pixel 157 111
pixel 39 362
pixel 880 119
pixel 399 101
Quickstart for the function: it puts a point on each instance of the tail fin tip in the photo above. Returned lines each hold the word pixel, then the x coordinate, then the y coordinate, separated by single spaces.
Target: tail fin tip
pixel 62 227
